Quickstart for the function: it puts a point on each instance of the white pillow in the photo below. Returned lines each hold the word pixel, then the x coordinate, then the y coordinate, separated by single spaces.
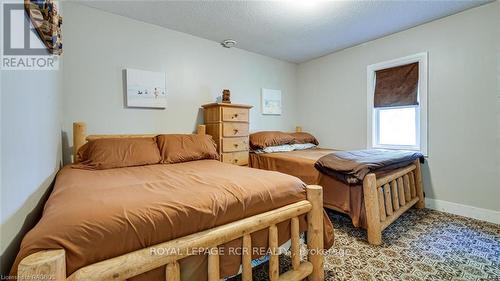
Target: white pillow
pixel 279 148
pixel 286 148
pixel 302 146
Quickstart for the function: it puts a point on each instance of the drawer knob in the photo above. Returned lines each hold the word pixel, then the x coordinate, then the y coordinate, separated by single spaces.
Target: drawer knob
pixel 235 115
pixel 236 131
pixel 235 145
pixel 235 160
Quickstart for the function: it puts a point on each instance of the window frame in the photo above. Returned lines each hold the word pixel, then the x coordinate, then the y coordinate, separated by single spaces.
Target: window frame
pixel 421 109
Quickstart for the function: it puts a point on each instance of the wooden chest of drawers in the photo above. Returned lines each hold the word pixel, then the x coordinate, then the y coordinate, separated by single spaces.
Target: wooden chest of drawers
pixel 227 123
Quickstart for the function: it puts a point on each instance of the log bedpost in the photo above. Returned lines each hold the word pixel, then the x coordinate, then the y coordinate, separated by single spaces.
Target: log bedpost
pixel 419 186
pixel 201 129
pixel 295 240
pixel 213 265
pixel 79 134
pixel 374 229
pixel 246 260
pixel 173 271
pixel 315 232
pixel 298 129
pixel 274 262
pixel 50 265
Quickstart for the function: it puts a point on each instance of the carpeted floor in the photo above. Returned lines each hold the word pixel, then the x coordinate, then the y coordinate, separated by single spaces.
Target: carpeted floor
pixel 420 245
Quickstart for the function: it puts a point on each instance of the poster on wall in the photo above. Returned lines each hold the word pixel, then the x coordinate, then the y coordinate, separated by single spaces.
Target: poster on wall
pixel 146 89
pixel 271 102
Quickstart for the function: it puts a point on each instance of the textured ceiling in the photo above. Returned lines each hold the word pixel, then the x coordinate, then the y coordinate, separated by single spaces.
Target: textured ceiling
pixel 295 30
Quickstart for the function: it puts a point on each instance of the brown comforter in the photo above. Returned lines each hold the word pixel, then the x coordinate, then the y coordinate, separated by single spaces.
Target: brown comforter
pixel 337 194
pixel 351 167
pixel 97 215
pixel 298 163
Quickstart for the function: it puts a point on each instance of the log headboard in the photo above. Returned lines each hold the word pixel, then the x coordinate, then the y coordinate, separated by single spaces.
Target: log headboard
pixel 80 136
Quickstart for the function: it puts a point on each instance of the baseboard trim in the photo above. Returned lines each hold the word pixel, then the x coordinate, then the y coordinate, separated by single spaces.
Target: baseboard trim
pixel 463 210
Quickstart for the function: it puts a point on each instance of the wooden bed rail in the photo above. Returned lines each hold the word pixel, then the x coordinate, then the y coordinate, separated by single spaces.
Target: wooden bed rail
pixel 44 265
pixel 80 136
pixel 52 263
pixel 388 197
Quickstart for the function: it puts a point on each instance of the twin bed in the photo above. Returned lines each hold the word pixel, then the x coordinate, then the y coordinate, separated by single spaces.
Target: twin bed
pixel 373 204
pixel 172 221
pixel 194 218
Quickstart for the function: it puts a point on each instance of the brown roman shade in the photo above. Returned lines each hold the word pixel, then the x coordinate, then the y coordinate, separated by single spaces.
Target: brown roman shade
pixel 397 86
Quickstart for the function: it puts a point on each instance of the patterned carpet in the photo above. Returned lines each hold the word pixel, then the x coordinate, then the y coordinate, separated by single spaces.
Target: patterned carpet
pixel 420 245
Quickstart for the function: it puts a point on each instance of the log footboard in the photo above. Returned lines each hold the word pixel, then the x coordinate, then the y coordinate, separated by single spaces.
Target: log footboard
pixel 51 264
pixel 388 197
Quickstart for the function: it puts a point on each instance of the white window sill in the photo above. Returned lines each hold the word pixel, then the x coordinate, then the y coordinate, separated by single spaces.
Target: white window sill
pixel 399 147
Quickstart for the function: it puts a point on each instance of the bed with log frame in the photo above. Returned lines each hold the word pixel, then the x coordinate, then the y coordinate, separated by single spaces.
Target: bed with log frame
pixel 389 197
pixel 52 263
pixel 385 198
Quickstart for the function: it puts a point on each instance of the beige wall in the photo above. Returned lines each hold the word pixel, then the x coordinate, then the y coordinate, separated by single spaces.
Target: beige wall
pixel 464 112
pixel 30 151
pixel 327 96
pixel 98 45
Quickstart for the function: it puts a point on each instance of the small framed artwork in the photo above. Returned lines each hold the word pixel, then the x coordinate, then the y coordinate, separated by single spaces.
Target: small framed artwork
pixel 271 102
pixel 146 89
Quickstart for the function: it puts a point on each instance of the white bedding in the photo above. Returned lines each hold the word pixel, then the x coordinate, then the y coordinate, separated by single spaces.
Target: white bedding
pixel 285 148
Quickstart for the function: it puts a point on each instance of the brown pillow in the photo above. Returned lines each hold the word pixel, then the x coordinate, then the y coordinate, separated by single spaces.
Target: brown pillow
pixel 83 152
pixel 303 137
pixel 111 153
pixel 264 139
pixel 183 148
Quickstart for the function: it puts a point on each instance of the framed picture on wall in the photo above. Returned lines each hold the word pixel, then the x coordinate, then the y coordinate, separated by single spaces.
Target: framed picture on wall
pixel 271 102
pixel 146 89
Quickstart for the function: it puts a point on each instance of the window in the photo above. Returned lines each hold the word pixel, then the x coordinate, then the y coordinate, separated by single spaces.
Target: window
pixel 397 112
